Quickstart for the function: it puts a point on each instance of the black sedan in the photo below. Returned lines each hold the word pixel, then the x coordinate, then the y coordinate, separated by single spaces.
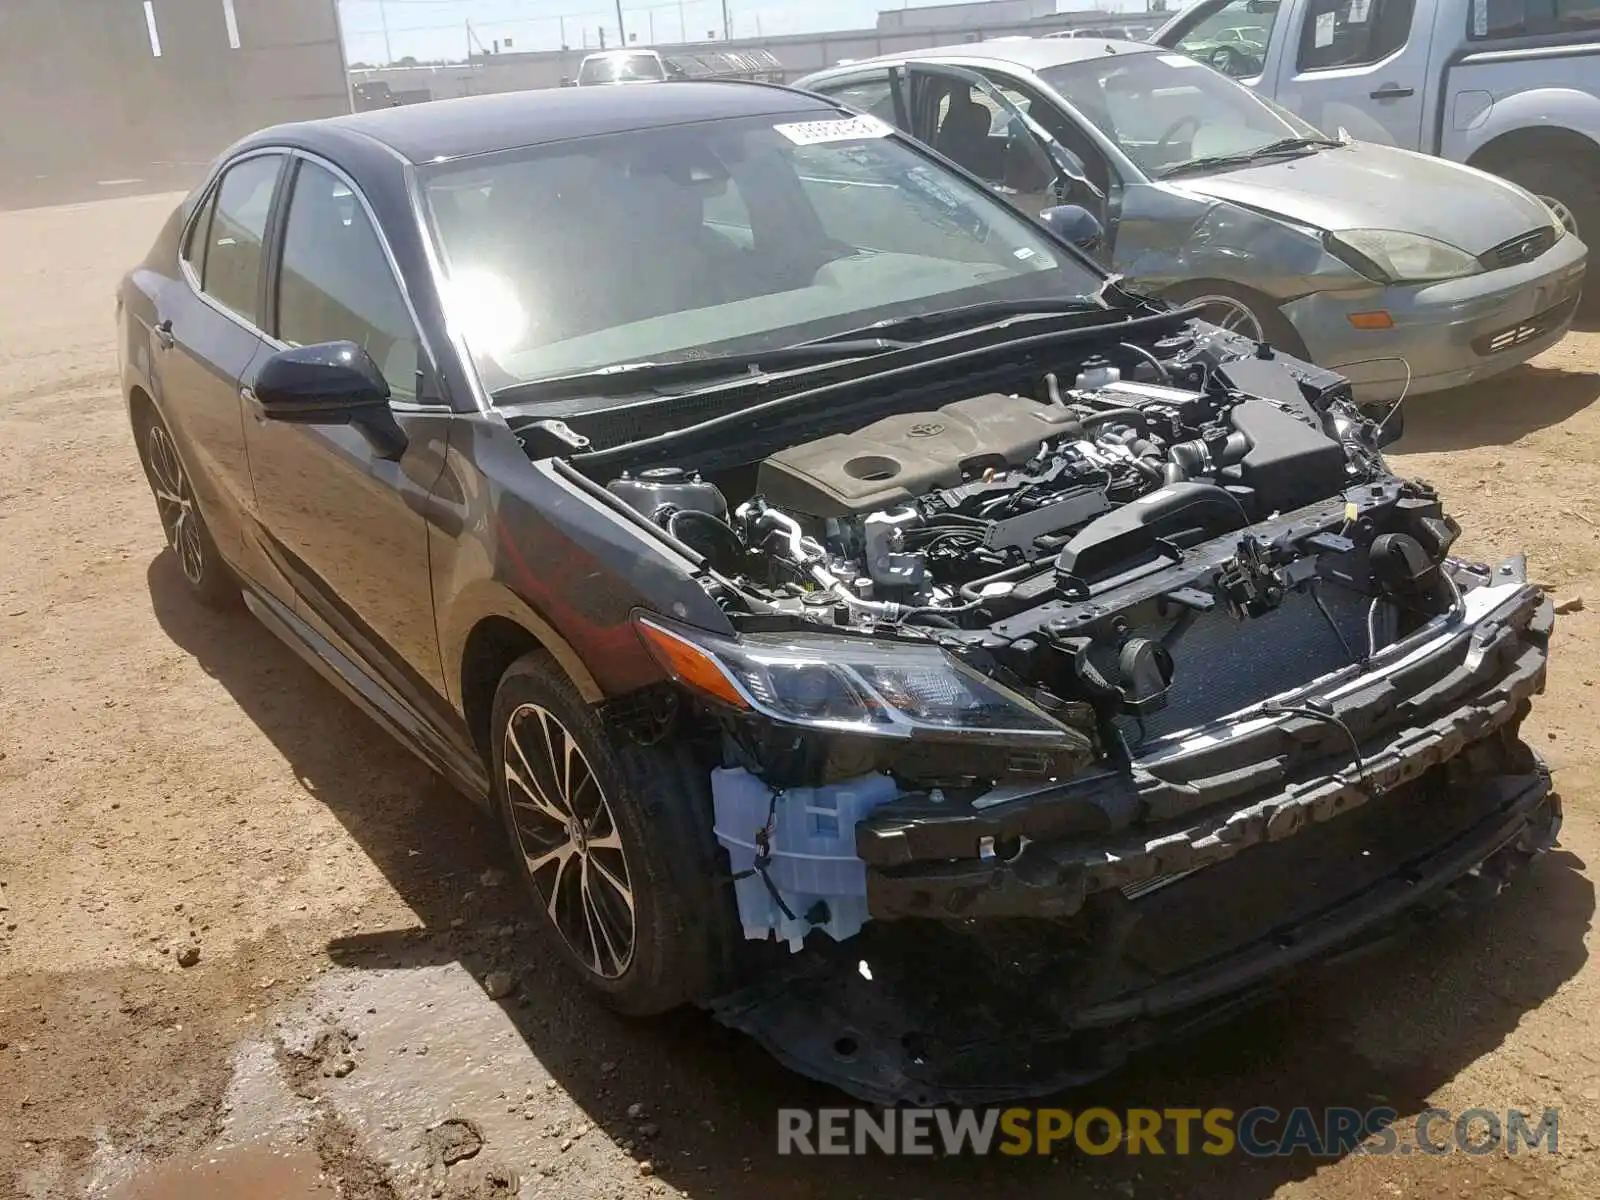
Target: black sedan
pixel 867 618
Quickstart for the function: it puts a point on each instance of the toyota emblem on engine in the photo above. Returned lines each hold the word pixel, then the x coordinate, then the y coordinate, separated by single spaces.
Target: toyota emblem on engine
pixel 926 429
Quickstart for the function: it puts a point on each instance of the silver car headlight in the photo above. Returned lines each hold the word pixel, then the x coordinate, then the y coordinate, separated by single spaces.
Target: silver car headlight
pixel 853 685
pixel 1394 256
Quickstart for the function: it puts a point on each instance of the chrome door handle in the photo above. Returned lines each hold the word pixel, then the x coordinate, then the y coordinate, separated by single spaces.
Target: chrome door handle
pixel 163 334
pixel 1392 92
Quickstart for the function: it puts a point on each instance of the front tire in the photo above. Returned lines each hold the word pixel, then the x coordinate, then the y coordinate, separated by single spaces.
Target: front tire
pixel 208 578
pixel 613 842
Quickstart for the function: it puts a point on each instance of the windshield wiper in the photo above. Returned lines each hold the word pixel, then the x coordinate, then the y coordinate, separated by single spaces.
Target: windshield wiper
pixel 626 379
pixel 928 324
pixel 1282 146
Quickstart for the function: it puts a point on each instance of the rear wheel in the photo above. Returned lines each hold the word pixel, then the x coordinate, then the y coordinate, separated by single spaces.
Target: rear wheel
pixel 614 844
pixel 1240 310
pixel 203 570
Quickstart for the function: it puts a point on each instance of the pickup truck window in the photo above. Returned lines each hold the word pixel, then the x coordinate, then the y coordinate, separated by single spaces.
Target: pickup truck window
pixel 1232 38
pixel 1352 33
pixel 1490 20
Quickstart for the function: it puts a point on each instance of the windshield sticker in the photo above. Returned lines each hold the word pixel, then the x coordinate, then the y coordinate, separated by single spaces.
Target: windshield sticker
pixel 1359 10
pixel 1480 18
pixel 1179 60
pixel 1024 253
pixel 1324 30
pixel 815 133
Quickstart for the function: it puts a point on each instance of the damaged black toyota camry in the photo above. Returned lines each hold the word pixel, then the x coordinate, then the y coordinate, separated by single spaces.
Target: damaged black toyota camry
pixel 868 620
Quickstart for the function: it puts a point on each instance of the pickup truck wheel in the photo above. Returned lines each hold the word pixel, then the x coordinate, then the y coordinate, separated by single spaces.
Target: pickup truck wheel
pixel 1240 310
pixel 1572 189
pixel 613 842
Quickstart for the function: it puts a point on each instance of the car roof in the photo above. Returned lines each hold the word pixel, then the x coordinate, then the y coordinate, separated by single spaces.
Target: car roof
pixel 1034 54
pixel 471 125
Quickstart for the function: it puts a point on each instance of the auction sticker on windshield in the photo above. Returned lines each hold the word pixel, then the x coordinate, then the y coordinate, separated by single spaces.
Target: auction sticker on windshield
pixel 814 133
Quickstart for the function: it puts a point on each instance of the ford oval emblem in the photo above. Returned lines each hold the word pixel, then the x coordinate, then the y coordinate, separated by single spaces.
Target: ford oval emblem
pixel 926 429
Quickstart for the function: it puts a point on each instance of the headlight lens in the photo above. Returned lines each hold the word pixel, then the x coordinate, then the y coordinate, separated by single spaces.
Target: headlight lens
pixel 853 686
pixel 1392 256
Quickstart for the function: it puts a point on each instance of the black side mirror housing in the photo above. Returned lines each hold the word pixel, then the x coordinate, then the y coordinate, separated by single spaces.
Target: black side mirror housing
pixel 331 383
pixel 1074 223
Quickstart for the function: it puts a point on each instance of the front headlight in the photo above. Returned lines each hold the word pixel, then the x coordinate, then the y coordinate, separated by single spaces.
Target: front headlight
pixel 851 685
pixel 1393 256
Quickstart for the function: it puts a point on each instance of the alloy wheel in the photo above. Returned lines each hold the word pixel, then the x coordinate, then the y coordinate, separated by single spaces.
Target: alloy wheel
pixel 175 503
pixel 1230 314
pixel 569 841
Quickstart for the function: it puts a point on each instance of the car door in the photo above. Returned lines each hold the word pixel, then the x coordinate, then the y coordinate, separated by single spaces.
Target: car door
pixel 967 125
pixel 345 525
pixel 206 333
pixel 1358 67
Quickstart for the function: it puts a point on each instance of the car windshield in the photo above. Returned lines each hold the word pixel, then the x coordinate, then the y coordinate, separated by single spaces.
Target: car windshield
pixel 621 68
pixel 1164 108
pixel 719 238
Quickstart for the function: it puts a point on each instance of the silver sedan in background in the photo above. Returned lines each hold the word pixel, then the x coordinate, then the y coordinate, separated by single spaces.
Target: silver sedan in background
pixel 1405 272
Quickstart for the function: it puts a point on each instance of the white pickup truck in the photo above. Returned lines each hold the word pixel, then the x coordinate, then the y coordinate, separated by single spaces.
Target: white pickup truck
pixel 1511 86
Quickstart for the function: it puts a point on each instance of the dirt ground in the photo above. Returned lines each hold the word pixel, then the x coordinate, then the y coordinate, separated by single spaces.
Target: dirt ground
pixel 173 780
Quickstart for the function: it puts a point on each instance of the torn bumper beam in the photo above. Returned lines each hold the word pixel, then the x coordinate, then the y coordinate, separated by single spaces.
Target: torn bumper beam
pixel 1198 799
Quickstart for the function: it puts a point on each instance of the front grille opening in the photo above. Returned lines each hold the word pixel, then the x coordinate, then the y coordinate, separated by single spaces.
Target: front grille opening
pixel 1523 248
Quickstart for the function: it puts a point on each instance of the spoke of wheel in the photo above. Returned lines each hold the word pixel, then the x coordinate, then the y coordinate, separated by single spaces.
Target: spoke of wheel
pixel 616 885
pixel 558 856
pixel 528 782
pixel 596 916
pixel 562 865
pixel 189 551
pixel 611 841
pixel 164 462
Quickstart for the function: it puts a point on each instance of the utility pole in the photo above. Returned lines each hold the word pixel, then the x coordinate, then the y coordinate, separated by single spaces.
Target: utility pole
pixel 683 26
pixel 383 19
pixel 622 31
pixel 563 21
pixel 727 22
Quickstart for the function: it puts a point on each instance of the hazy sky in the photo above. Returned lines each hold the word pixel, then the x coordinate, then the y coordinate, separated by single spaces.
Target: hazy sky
pixel 438 28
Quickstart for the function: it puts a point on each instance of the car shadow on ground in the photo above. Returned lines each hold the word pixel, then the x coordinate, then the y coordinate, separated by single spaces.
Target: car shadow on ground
pixel 1497 411
pixel 1388 1029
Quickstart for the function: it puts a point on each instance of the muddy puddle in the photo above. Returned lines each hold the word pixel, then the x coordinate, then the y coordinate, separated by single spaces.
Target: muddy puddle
pixel 236 1173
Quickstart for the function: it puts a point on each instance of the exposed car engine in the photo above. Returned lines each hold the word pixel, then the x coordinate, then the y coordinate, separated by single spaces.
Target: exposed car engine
pixel 1069 647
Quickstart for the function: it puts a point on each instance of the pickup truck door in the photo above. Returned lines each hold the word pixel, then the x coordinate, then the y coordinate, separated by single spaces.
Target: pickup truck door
pixel 1360 66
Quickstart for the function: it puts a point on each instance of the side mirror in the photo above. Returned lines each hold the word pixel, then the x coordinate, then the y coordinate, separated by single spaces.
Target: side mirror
pixel 333 383
pixel 1075 224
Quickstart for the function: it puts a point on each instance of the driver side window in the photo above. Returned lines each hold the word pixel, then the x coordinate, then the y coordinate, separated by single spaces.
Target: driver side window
pixel 1232 38
pixel 336 284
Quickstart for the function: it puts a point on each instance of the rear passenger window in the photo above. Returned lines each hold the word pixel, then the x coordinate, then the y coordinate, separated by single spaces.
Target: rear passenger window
pixel 1493 19
pixel 230 271
pixel 1353 33
pixel 875 95
pixel 336 283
